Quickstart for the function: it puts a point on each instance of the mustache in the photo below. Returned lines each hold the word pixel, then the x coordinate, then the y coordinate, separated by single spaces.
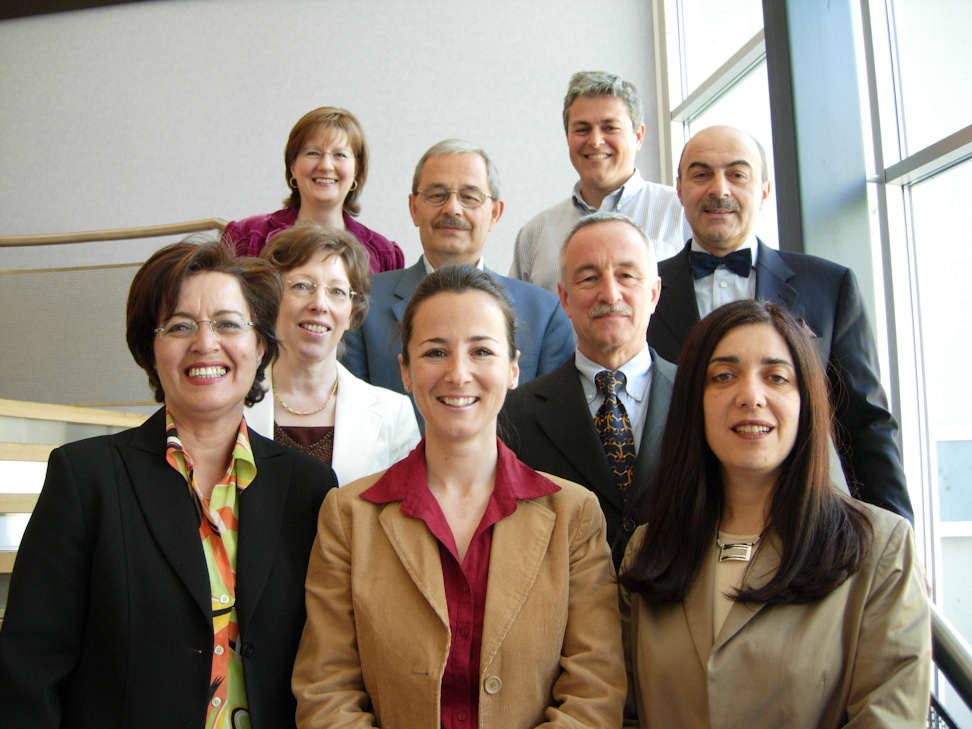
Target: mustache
pixel 451 222
pixel 722 203
pixel 605 309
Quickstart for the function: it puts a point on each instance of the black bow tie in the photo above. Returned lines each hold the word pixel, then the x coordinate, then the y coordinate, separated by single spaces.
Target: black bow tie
pixel 739 262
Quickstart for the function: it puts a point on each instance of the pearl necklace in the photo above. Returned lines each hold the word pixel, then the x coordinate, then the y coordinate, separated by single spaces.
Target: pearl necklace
pixel 290 410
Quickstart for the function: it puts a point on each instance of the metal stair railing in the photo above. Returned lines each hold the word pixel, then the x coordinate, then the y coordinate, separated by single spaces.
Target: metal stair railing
pixel 953 657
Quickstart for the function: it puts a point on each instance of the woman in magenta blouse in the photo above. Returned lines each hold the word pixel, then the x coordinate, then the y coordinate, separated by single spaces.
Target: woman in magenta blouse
pixel 325 165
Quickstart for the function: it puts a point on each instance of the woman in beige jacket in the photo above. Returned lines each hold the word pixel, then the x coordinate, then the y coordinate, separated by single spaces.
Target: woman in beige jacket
pixel 460 588
pixel 759 596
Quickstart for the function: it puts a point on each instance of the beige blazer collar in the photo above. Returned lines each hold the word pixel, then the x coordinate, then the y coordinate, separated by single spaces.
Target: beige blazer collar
pixel 520 543
pixel 698 603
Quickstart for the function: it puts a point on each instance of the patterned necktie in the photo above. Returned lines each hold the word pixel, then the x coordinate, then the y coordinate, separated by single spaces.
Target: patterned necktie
pixel 739 262
pixel 614 428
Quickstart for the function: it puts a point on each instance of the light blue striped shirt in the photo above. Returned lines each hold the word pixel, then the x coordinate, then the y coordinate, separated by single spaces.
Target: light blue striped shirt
pixel 656 208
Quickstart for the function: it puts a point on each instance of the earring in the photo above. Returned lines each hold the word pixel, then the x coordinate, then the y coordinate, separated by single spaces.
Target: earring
pixel 293 183
pixel 354 186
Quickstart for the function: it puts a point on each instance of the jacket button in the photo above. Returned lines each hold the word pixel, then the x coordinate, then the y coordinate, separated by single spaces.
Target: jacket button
pixel 493 685
pixel 247 650
pixel 629 525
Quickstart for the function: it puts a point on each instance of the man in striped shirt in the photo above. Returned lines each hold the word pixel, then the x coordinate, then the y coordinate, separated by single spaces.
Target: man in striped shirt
pixel 603 119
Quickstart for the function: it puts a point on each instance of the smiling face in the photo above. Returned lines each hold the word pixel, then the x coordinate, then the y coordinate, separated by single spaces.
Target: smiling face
pixel 310 327
pixel 720 183
pixel 751 404
pixel 611 291
pixel 324 169
pixel 460 365
pixel 452 234
pixel 602 144
pixel 206 377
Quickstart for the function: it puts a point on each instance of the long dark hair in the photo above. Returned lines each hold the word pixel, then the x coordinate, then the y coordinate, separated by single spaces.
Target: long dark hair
pixel 823 536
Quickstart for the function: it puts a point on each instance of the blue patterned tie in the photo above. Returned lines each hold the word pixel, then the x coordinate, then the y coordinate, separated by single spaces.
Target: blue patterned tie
pixel 614 428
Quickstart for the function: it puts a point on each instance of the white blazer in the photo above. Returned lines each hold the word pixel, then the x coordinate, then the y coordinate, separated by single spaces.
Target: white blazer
pixel 373 427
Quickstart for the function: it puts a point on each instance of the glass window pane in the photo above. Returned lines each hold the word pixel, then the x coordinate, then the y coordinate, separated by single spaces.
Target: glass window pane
pixel 746 106
pixel 935 58
pixel 942 260
pixel 714 30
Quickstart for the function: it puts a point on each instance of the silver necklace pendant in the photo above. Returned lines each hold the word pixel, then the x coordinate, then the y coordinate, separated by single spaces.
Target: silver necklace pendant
pixel 736 551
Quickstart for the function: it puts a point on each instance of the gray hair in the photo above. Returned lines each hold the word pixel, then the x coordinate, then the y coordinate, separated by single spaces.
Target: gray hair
pixel 457 146
pixel 601 83
pixel 605 217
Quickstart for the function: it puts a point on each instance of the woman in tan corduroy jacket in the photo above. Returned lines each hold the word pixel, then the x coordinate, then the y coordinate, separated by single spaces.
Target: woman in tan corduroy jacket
pixel 460 588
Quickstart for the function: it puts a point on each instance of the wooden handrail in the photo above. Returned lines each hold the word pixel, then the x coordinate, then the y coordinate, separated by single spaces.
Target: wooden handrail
pixel 69 414
pixel 28 452
pixel 148 231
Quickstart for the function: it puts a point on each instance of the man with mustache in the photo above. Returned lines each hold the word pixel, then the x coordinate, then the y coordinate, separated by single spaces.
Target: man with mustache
pixel 566 423
pixel 723 183
pixel 455 203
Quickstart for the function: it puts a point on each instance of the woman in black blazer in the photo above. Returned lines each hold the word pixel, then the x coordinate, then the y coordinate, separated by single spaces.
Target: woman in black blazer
pixel 160 582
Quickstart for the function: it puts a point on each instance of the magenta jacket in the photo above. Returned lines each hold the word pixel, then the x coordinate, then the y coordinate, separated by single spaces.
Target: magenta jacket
pixel 249 236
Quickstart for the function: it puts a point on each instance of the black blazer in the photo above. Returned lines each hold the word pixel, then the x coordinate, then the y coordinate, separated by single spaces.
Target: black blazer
pixel 108 621
pixel 547 423
pixel 825 295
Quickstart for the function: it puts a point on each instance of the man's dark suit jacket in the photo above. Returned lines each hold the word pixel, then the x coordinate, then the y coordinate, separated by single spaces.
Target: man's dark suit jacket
pixel 826 297
pixel 547 423
pixel 109 617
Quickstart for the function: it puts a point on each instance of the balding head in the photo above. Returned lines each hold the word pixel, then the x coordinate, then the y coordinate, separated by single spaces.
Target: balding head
pixel 722 183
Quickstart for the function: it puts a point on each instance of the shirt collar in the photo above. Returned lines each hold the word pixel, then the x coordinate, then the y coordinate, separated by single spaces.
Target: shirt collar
pixel 242 465
pixel 637 372
pixel 752 243
pixel 631 187
pixel 404 481
pixel 428 266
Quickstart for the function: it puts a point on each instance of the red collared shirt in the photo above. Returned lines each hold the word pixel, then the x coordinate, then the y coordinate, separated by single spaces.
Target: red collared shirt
pixel 465 583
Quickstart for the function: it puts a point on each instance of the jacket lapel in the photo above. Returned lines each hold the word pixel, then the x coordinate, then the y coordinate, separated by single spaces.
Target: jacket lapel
pixel 406 286
pixel 357 419
pixel 698 610
pixel 772 275
pixel 565 417
pixel 167 507
pixel 520 544
pixel 678 308
pixel 659 400
pixel 765 562
pixel 261 514
pixel 418 552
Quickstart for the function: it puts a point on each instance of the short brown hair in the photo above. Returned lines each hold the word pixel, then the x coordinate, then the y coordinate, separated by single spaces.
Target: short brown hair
pixel 155 291
pixel 328 117
pixel 295 246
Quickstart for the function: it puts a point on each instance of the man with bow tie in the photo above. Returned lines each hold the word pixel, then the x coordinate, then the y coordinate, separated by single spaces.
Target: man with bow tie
pixel 723 183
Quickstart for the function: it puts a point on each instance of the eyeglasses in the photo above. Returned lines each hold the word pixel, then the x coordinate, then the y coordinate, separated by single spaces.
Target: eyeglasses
pixel 469 197
pixel 303 288
pixel 180 327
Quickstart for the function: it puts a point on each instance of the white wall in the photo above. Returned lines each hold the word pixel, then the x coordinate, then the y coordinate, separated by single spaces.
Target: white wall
pixel 176 110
